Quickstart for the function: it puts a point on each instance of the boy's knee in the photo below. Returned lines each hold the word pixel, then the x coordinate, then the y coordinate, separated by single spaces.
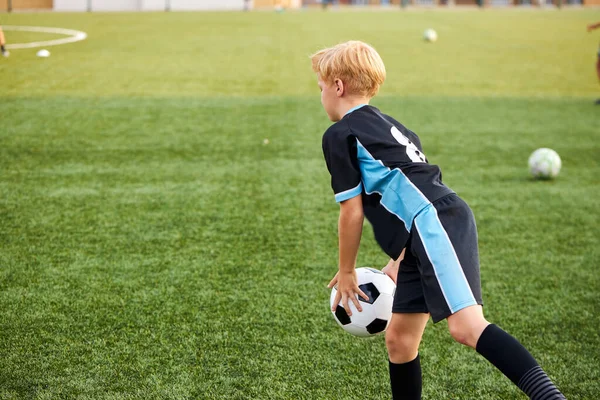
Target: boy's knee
pixel 467 334
pixel 467 325
pixel 401 348
pixel 461 334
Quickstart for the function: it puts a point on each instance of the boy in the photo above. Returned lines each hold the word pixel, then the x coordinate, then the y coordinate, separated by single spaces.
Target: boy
pixel 3 50
pixel 378 170
pixel 590 28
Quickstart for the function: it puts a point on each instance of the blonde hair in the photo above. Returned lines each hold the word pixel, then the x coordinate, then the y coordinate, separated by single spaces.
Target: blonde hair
pixel 356 63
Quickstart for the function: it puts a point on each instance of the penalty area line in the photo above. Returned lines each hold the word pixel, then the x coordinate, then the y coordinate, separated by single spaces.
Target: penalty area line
pixel 73 36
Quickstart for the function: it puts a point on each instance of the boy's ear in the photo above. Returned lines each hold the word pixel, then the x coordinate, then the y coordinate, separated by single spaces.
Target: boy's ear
pixel 339 87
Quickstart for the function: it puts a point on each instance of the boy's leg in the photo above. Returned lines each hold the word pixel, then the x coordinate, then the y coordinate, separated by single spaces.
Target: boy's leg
pixel 402 339
pixel 445 241
pixel 468 326
pixel 403 335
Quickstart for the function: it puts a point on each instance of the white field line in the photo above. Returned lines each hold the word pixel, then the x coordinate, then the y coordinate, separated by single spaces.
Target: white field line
pixel 73 36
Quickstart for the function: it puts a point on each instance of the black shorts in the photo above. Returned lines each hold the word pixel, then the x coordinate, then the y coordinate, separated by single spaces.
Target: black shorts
pixel 440 270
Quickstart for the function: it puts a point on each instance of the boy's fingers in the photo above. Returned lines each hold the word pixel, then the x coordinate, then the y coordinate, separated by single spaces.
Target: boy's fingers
pixel 336 301
pixel 333 281
pixel 357 303
pixel 346 306
pixel 363 295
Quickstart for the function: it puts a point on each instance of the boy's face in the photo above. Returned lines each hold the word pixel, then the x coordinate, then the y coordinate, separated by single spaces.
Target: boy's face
pixel 329 99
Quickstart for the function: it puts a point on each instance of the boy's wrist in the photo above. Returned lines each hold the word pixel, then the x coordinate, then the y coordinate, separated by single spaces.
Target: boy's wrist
pixel 346 269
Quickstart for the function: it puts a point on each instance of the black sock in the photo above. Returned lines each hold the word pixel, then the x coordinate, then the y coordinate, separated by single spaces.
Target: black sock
pixel 514 361
pixel 2 48
pixel 406 380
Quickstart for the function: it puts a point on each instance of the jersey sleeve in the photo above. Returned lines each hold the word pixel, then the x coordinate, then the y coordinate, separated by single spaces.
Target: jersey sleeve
pixel 339 149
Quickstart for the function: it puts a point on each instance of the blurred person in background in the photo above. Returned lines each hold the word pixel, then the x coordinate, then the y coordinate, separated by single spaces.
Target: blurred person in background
pixel 3 50
pixel 590 28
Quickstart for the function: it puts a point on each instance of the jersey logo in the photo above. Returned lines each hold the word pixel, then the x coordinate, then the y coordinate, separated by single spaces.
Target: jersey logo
pixel 411 150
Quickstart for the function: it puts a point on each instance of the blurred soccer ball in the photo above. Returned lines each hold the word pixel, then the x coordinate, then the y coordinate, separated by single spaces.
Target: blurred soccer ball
pixel 376 313
pixel 430 35
pixel 43 53
pixel 544 163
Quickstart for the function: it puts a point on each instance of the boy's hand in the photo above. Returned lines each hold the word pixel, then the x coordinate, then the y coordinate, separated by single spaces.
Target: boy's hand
pixel 391 270
pixel 392 267
pixel 347 288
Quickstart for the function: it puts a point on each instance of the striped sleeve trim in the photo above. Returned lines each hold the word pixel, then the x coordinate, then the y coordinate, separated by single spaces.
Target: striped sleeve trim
pixel 348 194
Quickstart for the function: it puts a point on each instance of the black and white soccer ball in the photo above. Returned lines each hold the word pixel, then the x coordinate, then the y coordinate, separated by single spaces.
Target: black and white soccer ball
pixel 544 163
pixel 377 312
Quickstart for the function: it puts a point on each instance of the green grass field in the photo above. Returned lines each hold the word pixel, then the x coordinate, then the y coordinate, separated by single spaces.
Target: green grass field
pixel 153 247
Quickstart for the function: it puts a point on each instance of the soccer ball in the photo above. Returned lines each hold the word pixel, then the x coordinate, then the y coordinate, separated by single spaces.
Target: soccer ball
pixel 544 163
pixel 376 313
pixel 430 35
pixel 43 53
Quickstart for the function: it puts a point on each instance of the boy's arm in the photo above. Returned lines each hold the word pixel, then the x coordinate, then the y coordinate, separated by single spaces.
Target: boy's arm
pixel 591 27
pixel 349 230
pixel 350 226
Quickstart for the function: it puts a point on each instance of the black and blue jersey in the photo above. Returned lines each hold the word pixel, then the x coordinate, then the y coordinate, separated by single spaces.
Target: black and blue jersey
pixel 371 154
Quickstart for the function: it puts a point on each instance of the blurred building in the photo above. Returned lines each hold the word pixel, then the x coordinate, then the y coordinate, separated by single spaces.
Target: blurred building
pixel 5 5
pixel 487 3
pixel 191 5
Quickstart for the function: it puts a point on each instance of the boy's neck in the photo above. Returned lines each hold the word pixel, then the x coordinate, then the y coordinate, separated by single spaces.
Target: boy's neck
pixel 351 104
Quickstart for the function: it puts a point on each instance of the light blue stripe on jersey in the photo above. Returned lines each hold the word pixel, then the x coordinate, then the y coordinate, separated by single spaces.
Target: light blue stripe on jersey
pixel 355 108
pixel 398 194
pixel 348 194
pixel 402 198
pixel 441 253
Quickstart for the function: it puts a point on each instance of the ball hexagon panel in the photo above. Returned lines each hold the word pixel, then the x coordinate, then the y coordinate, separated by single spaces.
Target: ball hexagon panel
pixel 364 317
pixel 370 290
pixel 342 315
pixel 357 330
pixel 377 326
pixel 383 307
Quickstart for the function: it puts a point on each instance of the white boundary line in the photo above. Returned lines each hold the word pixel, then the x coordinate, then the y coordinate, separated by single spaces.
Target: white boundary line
pixel 74 36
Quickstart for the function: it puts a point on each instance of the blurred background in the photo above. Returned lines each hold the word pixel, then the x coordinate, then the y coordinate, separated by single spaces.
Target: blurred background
pixel 180 5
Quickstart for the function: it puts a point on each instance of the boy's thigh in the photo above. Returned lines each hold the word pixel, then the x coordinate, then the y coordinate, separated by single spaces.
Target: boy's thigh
pixel 444 241
pixel 408 325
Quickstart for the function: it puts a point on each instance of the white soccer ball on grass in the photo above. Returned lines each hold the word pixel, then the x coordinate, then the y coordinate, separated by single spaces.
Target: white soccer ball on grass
pixel 43 53
pixel 544 163
pixel 430 35
pixel 376 312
